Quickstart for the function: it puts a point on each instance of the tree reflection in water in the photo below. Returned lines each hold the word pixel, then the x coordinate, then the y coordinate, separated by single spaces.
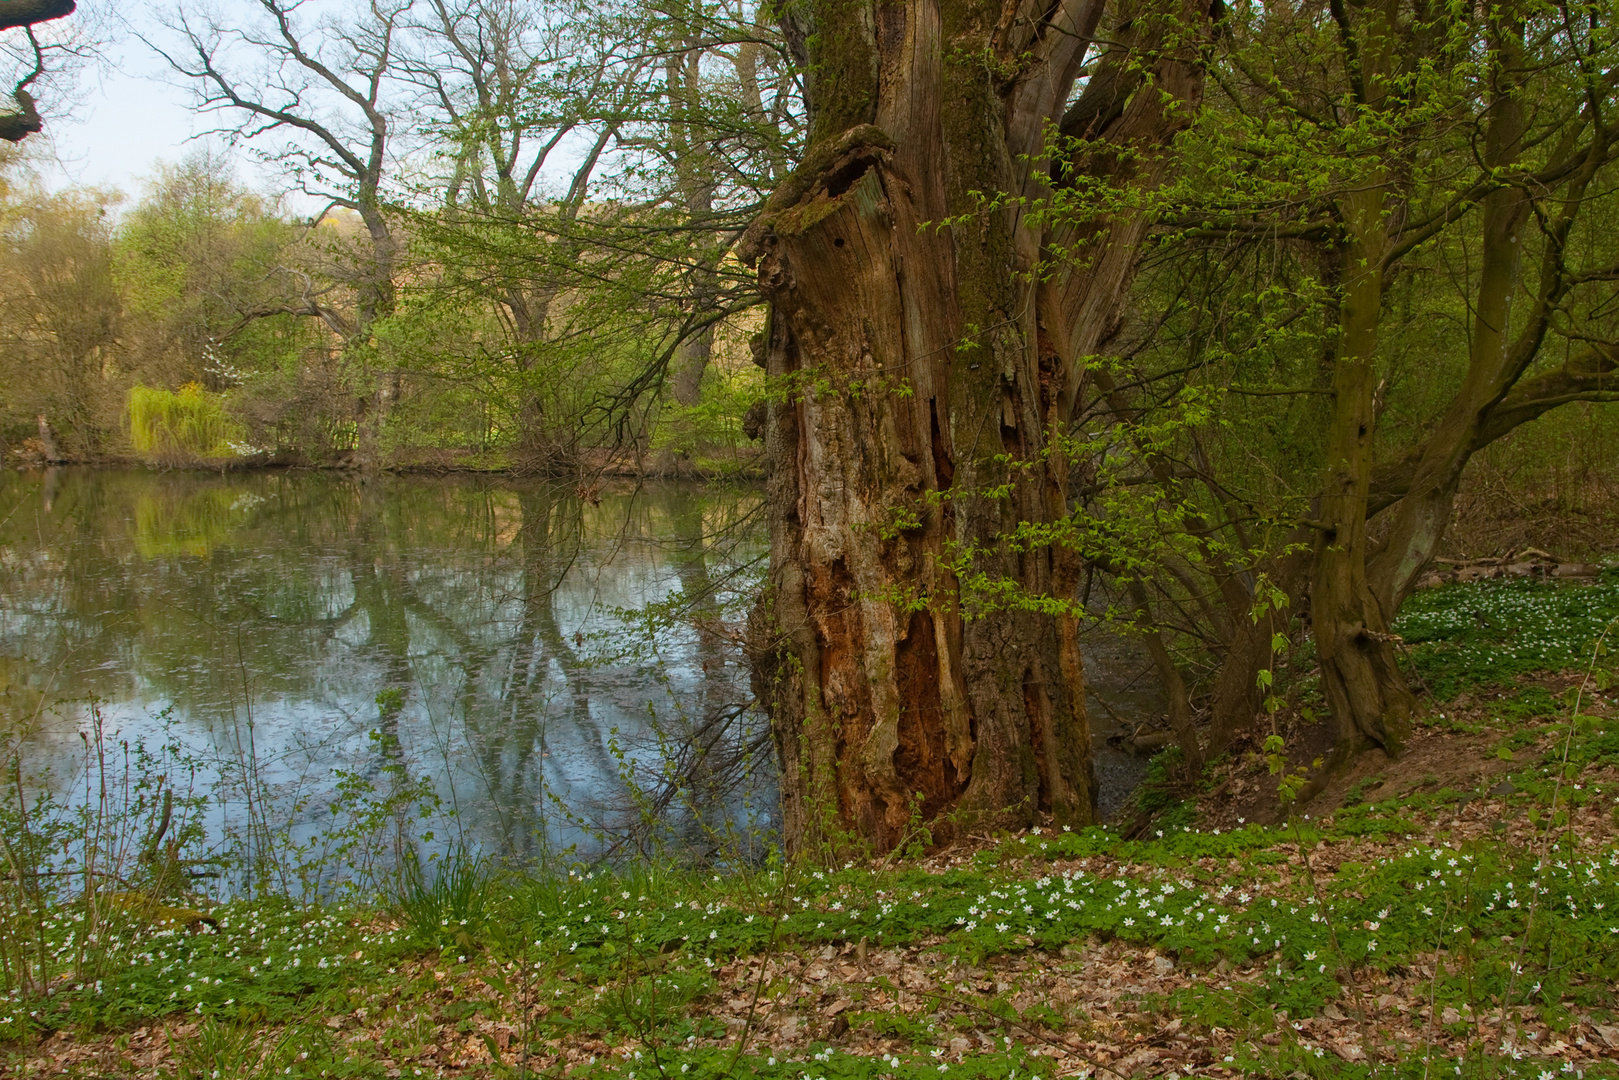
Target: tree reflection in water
pixel 491 635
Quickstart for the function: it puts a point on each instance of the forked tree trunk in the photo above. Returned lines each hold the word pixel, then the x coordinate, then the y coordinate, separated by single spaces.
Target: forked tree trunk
pixel 1490 400
pixel 927 369
pixel 1356 593
pixel 1363 684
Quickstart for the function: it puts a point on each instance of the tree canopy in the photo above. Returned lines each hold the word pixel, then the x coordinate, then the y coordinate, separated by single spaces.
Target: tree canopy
pixel 1194 318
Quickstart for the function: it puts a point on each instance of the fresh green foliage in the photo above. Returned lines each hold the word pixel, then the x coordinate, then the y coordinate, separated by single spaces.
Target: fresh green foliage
pixel 633 956
pixel 183 425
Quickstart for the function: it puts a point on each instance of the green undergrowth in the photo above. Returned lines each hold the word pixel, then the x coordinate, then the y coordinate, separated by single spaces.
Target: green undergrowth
pixel 1497 633
pixel 631 958
pixel 1518 914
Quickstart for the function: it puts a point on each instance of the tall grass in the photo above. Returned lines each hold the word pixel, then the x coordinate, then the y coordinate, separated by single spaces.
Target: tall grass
pixel 183 425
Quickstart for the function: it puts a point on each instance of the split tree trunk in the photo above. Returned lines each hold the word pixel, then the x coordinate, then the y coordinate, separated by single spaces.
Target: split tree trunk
pixel 920 664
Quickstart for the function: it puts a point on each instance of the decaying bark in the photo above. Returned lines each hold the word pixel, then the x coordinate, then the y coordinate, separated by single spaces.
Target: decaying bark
pixel 923 367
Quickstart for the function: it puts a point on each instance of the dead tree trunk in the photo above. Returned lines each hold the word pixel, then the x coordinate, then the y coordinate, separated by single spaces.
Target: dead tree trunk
pixel 48 448
pixel 917 645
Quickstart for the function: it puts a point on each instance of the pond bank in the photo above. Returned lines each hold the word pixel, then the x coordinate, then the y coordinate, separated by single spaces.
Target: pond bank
pixel 1332 946
pixel 592 466
pixel 1455 924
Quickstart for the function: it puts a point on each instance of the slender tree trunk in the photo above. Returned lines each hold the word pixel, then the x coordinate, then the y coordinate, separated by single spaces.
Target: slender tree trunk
pixel 1237 696
pixel 377 298
pixel 1422 515
pixel 1176 698
pixel 1496 359
pixel 695 168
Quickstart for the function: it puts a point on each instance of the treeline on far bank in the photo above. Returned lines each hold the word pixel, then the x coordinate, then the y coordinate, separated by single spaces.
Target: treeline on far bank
pixel 520 247
pixel 158 330
pixel 199 324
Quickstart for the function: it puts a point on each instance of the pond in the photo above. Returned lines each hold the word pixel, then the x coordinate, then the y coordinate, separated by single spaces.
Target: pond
pixel 529 666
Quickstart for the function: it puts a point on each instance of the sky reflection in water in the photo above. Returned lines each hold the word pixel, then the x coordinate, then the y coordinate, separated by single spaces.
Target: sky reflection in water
pixel 257 617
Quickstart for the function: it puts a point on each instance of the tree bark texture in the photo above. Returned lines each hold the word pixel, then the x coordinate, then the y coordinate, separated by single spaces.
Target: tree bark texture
pixel 1359 673
pixel 1362 680
pixel 923 367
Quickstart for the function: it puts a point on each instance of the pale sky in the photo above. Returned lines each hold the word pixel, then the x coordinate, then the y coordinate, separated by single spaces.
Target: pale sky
pixel 122 126
pixel 129 116
pixel 131 112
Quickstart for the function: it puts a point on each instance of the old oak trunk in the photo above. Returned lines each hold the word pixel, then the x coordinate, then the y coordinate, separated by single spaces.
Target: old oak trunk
pixel 916 646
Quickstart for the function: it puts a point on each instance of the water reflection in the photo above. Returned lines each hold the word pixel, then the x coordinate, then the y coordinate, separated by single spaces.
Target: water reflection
pixel 491 636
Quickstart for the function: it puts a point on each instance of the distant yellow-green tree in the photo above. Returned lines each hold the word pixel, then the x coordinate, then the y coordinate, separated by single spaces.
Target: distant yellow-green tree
pixel 60 321
pixel 187 424
pixel 191 260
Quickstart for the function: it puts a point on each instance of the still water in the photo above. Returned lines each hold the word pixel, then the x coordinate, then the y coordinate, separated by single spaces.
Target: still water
pixel 534 660
pixel 306 629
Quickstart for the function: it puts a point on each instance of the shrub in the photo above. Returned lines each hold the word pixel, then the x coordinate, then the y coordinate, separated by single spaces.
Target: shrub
pixel 184 425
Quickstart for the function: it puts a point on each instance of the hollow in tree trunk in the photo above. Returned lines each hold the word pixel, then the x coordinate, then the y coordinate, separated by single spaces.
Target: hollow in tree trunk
pixel 920 661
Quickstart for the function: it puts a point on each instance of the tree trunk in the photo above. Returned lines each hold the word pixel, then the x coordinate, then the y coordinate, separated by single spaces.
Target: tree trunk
pixel 883 692
pixel 547 445
pixel 690 364
pixel 1482 408
pixel 47 443
pixel 918 658
pixel 376 298
pixel 1364 687
pixel 1178 702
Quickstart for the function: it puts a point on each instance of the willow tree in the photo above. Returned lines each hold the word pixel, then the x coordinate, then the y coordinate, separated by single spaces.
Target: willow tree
pixel 916 645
